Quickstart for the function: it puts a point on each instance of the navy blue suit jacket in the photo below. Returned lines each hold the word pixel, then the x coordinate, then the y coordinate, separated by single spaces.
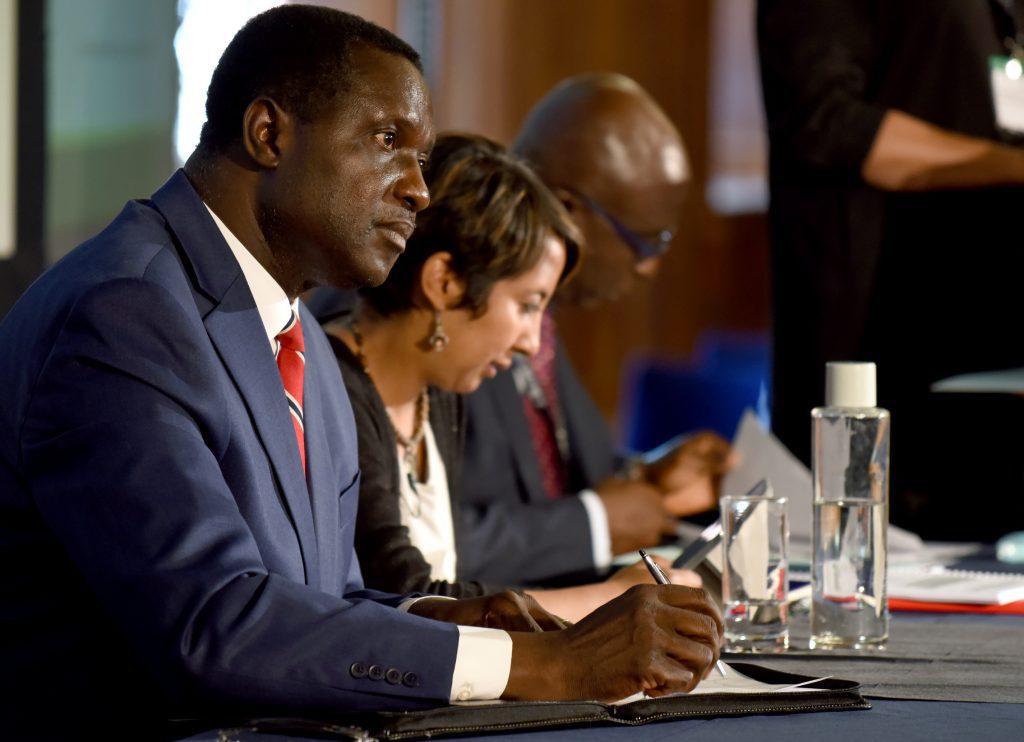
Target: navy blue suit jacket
pixel 160 551
pixel 512 532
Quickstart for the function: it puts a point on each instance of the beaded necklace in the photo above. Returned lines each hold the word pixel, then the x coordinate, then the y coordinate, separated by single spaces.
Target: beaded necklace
pixel 410 444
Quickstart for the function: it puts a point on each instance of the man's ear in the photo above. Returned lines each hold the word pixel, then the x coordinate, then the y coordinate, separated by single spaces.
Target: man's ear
pixel 265 128
pixel 440 285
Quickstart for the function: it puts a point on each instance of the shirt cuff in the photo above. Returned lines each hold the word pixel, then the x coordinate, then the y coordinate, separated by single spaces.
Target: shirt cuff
pixel 600 536
pixel 482 665
pixel 405 605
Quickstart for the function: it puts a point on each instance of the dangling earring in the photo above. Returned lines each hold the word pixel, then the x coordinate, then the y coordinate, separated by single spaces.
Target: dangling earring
pixel 438 340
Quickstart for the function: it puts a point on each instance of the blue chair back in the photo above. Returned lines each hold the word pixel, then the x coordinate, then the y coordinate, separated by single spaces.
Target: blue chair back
pixel 728 372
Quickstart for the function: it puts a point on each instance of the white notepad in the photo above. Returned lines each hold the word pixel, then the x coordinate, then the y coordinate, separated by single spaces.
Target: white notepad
pixel 940 585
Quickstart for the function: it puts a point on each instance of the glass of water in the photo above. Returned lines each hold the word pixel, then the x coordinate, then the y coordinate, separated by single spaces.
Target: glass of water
pixel 755 573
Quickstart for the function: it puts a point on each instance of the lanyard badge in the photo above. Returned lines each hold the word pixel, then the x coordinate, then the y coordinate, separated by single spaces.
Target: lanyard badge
pixel 1007 78
pixel 1006 73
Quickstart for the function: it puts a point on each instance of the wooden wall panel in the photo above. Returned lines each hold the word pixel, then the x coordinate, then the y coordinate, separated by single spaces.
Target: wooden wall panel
pixel 500 56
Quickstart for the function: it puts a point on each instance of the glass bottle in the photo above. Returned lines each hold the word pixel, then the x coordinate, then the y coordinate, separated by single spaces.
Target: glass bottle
pixel 850 449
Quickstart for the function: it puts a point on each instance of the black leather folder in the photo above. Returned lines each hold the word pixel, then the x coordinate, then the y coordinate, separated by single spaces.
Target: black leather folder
pixel 482 718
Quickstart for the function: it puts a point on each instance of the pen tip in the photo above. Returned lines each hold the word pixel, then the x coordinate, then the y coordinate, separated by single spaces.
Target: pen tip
pixel 643 554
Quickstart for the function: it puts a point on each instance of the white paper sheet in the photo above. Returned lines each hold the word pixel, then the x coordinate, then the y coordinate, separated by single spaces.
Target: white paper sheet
pixel 735 682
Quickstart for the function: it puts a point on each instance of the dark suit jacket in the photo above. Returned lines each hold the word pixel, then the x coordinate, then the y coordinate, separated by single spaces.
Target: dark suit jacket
pixel 389 559
pixel 512 533
pixel 160 551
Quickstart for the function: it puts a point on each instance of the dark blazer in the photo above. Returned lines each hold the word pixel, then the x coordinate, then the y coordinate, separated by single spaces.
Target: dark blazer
pixel 389 559
pixel 160 551
pixel 512 532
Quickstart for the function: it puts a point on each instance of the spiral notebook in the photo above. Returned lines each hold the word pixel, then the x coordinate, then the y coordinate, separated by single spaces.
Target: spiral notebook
pixel 943 585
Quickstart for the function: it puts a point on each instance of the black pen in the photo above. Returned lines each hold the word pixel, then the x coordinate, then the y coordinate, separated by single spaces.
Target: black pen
pixel 662 579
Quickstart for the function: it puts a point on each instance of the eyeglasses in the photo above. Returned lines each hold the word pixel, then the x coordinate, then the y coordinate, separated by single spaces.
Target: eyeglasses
pixel 642 248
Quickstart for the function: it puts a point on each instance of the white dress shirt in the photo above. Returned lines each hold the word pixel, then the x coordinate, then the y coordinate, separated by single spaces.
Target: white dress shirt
pixel 483 661
pixel 600 534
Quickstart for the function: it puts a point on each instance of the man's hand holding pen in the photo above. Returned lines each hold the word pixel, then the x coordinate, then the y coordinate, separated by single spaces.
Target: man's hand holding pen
pixel 679 478
pixel 688 471
pixel 658 639
pixel 654 638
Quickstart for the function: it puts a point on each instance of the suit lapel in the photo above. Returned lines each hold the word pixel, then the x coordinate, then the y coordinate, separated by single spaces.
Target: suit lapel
pixel 237 333
pixel 322 480
pixel 593 455
pixel 510 412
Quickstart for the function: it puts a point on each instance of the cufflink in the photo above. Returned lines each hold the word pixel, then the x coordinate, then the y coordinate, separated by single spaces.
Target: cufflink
pixel 411 680
pixel 465 693
pixel 357 670
pixel 393 676
pixel 376 672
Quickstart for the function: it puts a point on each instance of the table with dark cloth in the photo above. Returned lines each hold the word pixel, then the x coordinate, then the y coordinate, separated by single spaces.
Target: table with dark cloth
pixel 941 677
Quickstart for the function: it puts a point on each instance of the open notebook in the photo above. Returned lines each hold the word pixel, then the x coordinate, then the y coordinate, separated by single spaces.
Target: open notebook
pixel 942 585
pixel 732 680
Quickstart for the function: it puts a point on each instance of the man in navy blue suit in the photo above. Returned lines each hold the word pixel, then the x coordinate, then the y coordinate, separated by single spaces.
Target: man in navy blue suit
pixel 178 474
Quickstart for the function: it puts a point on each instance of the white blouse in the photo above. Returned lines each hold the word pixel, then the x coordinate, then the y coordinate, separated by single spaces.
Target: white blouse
pixel 426 510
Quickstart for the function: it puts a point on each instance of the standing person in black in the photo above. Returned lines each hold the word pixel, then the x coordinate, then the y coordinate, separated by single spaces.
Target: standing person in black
pixel 894 215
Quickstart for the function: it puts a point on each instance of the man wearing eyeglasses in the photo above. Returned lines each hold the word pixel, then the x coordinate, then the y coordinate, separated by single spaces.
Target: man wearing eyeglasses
pixel 545 494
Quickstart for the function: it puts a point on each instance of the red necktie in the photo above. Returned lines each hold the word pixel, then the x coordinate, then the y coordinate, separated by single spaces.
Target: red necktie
pixel 542 418
pixel 291 362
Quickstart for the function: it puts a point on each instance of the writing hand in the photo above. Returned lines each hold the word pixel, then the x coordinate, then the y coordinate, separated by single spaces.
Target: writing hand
pixel 690 473
pixel 658 639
